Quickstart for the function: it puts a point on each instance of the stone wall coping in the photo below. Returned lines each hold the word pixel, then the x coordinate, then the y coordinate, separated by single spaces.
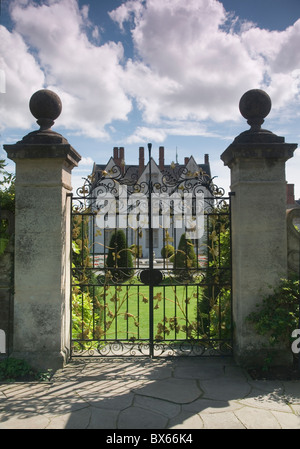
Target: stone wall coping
pixel 43 151
pixel 258 150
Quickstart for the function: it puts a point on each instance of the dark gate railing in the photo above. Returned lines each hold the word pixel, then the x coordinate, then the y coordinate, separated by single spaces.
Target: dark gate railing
pixel 151 264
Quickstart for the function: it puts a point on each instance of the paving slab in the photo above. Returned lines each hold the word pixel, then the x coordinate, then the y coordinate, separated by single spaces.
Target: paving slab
pixel 140 418
pixel 136 393
pixel 224 420
pixel 186 420
pixel 173 390
pixel 253 418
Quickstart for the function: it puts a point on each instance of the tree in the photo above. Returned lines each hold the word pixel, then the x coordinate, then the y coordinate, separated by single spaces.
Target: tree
pixel 119 258
pixel 7 189
pixel 185 259
pixel 7 202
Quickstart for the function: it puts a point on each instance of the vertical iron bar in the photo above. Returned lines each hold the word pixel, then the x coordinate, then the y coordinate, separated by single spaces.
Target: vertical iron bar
pixel 138 311
pixel 150 230
pixel 231 279
pixel 82 242
pixel 299 306
pixel 116 314
pixel 92 235
pixel 70 195
pixel 127 308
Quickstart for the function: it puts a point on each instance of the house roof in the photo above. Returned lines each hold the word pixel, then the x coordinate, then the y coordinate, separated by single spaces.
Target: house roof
pixel 173 170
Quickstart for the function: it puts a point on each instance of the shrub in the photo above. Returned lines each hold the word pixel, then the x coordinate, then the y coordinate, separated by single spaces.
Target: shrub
pixel 184 259
pixel 119 258
pixel 12 370
pixel 167 251
pixel 278 314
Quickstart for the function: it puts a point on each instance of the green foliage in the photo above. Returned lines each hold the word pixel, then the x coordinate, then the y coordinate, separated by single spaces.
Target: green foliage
pixel 136 250
pixel 119 258
pixel 83 315
pixel 12 369
pixel 7 197
pixel 214 310
pixel 167 251
pixel 7 188
pixel 277 316
pixel 85 294
pixel 184 259
pixel 80 246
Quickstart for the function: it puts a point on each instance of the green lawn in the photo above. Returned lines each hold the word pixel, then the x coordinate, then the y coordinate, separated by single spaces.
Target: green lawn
pixel 122 312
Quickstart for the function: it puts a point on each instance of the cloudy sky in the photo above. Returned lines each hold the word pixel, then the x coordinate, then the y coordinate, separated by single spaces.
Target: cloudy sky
pixel 170 72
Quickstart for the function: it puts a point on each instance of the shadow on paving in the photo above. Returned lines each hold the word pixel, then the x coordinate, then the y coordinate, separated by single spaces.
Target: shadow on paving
pixel 135 393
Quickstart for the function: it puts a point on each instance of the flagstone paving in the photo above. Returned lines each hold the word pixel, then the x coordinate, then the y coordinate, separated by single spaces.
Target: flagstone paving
pixel 131 393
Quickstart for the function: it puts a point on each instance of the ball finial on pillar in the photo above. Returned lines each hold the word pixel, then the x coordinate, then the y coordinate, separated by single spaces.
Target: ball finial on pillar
pixel 255 105
pixel 46 106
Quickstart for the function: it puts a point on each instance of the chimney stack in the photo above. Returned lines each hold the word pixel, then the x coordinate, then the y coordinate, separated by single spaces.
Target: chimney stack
pixel 122 159
pixel 119 158
pixel 141 160
pixel 206 159
pixel 161 158
pixel 186 160
pixel 290 196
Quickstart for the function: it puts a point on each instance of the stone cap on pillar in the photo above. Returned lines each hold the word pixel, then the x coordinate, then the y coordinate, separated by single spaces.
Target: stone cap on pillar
pixel 45 106
pixel 256 142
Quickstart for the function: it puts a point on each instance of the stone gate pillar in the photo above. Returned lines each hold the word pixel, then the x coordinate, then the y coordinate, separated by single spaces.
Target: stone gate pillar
pixel 44 161
pixel 257 160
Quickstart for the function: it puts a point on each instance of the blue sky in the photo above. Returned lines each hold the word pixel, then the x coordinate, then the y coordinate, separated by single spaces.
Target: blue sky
pixel 170 72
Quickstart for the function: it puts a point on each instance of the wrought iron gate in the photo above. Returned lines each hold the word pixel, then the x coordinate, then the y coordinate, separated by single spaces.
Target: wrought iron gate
pixel 151 265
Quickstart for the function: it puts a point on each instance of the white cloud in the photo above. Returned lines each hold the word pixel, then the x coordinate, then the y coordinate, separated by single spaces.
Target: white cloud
pixel 86 76
pixel 23 77
pixel 126 11
pixel 191 67
pixel 86 162
pixel 192 63
pixel 169 127
pixel 2 82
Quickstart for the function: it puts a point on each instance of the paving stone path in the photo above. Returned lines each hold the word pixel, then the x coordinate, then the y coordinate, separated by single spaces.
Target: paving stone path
pixel 135 393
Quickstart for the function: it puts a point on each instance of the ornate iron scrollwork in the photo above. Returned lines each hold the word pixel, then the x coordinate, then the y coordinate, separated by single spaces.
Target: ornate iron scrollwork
pixel 112 298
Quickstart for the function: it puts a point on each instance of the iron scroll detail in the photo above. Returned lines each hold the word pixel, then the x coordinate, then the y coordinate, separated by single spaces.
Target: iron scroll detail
pixel 176 302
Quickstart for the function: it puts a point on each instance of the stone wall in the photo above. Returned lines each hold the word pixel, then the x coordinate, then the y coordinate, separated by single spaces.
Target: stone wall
pixel 6 284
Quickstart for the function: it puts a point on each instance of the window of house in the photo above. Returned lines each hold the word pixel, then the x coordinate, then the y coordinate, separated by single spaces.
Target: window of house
pixel 155 238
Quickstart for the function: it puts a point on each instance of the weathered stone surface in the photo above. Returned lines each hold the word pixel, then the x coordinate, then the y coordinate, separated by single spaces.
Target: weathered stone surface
pixel 85 401
pixel 166 408
pixel 226 420
pixel 258 210
pixel 44 163
pixel 139 418
pixel 175 390
pixel 186 421
pixel 257 419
